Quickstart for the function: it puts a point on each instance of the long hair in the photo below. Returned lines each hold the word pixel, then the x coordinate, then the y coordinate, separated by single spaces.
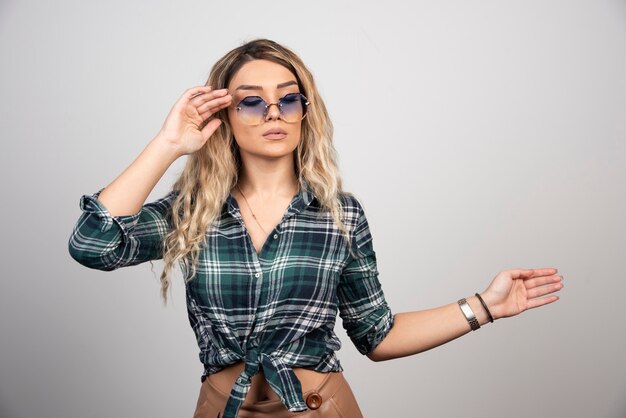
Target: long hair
pixel 212 171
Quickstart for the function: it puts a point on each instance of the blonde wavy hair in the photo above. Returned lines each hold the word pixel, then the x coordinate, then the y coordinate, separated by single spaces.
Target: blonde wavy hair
pixel 211 172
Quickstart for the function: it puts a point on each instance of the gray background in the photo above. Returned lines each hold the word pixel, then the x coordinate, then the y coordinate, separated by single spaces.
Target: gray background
pixel 480 136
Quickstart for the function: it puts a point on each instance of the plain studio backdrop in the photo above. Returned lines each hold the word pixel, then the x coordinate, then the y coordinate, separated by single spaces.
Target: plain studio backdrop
pixel 479 135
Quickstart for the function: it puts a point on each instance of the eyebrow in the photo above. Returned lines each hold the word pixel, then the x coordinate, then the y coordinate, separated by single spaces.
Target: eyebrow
pixel 278 86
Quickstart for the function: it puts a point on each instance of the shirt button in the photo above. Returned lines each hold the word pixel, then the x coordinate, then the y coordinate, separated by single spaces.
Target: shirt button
pixel 275 236
pixel 257 274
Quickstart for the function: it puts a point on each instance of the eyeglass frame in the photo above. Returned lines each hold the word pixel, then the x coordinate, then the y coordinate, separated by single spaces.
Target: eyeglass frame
pixel 277 104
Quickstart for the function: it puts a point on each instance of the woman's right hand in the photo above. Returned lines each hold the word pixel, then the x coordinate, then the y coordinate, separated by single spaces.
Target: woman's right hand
pixel 181 128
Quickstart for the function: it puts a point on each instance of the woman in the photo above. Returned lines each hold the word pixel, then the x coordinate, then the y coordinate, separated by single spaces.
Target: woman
pixel 270 245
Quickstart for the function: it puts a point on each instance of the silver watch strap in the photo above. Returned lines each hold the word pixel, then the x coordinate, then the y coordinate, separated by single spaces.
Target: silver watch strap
pixel 469 314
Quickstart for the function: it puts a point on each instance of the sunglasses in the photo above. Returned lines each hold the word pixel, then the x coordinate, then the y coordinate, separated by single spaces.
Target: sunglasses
pixel 252 110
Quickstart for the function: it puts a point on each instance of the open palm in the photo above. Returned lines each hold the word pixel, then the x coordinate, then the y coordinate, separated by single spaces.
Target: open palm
pixel 513 291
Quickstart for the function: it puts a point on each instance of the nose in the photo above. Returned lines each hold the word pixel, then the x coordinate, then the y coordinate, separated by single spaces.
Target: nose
pixel 273 112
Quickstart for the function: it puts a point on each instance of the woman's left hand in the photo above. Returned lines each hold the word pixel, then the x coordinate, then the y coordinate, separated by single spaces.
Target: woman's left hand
pixel 513 291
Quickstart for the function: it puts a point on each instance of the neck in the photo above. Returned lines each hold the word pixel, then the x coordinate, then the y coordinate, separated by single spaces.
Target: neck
pixel 267 179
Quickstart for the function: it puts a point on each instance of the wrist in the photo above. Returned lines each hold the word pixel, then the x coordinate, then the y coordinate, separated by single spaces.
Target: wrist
pixel 485 307
pixel 166 147
pixel 479 310
pixel 492 304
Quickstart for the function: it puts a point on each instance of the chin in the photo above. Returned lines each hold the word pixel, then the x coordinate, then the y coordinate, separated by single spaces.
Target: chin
pixel 275 153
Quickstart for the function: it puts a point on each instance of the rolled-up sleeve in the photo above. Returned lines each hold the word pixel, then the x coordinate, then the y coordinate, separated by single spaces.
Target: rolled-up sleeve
pixel 105 242
pixel 366 316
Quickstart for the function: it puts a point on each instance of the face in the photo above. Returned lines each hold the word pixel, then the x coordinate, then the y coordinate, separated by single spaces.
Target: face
pixel 271 82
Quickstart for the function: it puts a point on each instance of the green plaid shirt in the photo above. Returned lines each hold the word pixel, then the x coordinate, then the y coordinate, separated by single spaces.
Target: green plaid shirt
pixel 275 310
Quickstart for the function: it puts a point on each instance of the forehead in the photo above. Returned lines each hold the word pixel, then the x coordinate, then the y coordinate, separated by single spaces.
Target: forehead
pixel 263 73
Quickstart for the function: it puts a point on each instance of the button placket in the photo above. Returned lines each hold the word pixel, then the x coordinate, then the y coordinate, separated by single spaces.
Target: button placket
pixel 255 285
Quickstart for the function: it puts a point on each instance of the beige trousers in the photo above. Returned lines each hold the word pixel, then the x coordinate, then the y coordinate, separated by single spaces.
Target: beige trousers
pixel 333 398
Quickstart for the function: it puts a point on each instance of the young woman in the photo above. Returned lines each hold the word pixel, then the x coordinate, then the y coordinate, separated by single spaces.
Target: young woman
pixel 271 246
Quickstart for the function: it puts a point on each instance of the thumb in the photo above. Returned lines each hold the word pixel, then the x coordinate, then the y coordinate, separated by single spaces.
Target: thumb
pixel 522 273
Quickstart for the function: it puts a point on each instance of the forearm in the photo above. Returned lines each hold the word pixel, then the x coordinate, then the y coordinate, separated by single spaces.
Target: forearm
pixel 129 191
pixel 414 332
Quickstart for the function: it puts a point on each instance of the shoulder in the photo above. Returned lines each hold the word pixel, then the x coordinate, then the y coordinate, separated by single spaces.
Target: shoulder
pixel 356 221
pixel 352 207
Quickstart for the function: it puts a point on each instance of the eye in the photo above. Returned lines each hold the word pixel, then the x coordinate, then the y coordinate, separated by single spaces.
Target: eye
pixel 291 98
pixel 252 101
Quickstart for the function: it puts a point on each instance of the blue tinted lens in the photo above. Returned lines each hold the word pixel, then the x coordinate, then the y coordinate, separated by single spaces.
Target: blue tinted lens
pixel 252 110
pixel 292 107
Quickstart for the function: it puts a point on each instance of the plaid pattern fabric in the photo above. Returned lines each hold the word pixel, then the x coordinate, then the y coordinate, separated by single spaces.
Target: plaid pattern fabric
pixel 274 310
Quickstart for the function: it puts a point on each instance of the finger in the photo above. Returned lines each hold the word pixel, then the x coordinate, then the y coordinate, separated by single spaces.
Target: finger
pixel 215 104
pixel 205 115
pixel 544 272
pixel 196 91
pixel 540 281
pixel 210 127
pixel 521 273
pixel 544 290
pixel 211 111
pixel 200 99
pixel 535 303
pixel 530 273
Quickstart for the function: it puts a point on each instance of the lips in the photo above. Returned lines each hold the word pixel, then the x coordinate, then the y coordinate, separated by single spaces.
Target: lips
pixel 275 134
pixel 275 131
